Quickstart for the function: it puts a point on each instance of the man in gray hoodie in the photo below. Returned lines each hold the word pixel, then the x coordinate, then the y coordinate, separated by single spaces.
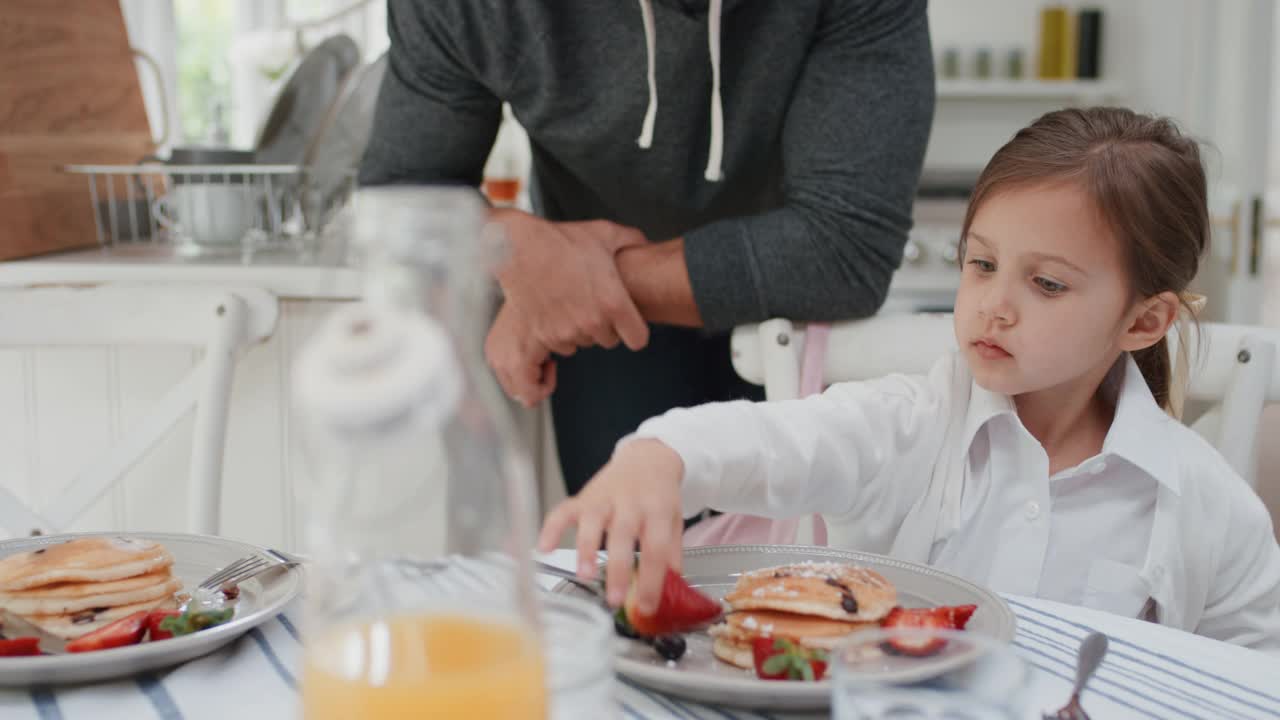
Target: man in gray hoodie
pixel 697 164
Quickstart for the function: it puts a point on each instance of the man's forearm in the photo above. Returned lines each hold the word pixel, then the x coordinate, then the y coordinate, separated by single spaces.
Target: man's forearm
pixel 658 281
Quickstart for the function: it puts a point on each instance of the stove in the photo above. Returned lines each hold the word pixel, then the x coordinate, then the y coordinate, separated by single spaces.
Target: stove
pixel 930 271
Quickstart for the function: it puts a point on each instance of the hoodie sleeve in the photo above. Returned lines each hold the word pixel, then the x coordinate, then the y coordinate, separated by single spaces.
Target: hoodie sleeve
pixel 853 141
pixel 435 119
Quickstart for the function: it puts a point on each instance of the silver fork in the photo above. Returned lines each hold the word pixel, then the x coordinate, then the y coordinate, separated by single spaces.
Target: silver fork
pixel 245 568
pixel 1092 649
pixel 596 588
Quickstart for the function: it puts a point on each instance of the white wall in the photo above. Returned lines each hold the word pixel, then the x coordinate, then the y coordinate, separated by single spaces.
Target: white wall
pixel 1149 53
pixel 1201 62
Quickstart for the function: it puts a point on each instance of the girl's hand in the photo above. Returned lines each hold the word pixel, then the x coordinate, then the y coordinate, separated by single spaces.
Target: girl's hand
pixel 636 496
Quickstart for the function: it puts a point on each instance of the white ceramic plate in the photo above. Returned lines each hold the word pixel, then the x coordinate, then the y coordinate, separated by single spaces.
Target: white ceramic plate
pixel 195 557
pixel 714 570
pixel 333 155
pixel 303 101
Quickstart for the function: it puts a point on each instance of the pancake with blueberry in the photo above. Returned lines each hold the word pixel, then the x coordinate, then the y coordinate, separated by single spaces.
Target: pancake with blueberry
pixel 837 591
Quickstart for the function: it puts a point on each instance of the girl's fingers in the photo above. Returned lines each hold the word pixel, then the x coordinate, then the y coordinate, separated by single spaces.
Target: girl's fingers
pixel 676 557
pixel 558 520
pixel 591 524
pixel 621 548
pixel 656 546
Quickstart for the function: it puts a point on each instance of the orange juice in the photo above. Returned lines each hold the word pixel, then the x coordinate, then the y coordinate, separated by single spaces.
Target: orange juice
pixel 425 666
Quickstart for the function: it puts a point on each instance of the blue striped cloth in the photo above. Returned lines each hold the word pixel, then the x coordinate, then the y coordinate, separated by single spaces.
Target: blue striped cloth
pixel 1150 672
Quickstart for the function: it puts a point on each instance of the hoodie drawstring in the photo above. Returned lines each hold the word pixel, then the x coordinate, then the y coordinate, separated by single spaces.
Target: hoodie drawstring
pixel 715 153
pixel 651 114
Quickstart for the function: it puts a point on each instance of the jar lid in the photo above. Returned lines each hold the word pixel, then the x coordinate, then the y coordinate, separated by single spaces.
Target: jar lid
pixel 372 371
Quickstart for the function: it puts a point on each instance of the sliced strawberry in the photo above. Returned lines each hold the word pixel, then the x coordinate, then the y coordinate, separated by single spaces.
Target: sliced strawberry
pixel 154 619
pixel 781 659
pixel 125 631
pixel 939 618
pixel 960 615
pixel 20 646
pixel 680 608
pixel 763 648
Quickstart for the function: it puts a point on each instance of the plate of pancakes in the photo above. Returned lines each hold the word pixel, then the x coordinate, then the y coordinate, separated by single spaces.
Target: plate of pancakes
pixel 62 587
pixel 815 596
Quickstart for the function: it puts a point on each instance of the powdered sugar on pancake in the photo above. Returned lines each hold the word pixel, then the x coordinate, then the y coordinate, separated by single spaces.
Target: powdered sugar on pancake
pixel 822 570
pixel 833 590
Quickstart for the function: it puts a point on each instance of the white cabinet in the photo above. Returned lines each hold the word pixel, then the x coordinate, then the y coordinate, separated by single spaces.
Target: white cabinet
pixel 60 407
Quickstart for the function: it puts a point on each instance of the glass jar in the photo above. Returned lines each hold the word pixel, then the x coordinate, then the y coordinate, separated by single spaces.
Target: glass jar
pixel 421 516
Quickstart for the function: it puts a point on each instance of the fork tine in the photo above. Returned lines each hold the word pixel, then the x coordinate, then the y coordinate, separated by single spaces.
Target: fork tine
pixel 231 569
pixel 245 568
pixel 245 573
pixel 219 577
pixel 225 571
pixel 249 567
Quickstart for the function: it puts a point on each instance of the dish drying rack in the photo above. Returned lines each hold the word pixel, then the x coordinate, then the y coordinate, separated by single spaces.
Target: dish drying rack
pixel 270 206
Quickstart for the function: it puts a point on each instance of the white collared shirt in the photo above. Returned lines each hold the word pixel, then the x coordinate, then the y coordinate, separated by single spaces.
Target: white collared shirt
pixel 935 469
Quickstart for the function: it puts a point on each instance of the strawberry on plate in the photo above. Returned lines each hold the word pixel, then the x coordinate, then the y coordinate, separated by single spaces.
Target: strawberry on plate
pixel 781 659
pixel 680 608
pixel 154 619
pixel 953 617
pixel 20 646
pixel 127 630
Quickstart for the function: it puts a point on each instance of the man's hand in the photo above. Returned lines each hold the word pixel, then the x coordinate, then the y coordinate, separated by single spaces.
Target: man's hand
pixel 524 367
pixel 562 280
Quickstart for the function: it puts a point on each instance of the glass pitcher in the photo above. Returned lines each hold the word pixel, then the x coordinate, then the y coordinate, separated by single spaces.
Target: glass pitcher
pixel 421 599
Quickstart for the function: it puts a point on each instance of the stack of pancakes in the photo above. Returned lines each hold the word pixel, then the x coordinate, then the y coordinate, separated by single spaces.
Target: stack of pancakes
pixel 814 605
pixel 73 588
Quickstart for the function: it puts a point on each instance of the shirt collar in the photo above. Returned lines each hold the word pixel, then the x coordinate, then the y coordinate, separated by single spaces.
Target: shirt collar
pixel 1138 426
pixel 1135 430
pixel 984 405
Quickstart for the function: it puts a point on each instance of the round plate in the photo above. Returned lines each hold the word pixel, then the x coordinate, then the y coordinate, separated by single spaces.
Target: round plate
pixel 306 97
pixel 714 570
pixel 334 153
pixel 195 557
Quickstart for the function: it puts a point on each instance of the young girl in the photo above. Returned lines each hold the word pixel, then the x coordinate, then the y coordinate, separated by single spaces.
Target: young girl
pixel 1038 458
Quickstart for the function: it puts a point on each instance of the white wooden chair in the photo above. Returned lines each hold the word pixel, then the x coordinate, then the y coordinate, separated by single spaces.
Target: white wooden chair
pixel 218 321
pixel 1233 367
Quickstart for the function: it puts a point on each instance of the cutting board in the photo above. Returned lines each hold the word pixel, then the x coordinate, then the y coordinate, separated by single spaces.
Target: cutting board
pixel 69 93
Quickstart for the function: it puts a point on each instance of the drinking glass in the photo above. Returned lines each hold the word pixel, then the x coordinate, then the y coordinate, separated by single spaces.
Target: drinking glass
pixel 578 638
pixel 421 600
pixel 965 676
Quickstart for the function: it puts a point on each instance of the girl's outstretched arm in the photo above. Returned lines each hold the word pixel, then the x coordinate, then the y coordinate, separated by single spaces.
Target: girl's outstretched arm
pixel 826 454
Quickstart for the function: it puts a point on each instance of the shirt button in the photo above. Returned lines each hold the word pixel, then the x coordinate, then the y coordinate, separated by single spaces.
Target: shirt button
pixel 1098 467
pixel 1033 510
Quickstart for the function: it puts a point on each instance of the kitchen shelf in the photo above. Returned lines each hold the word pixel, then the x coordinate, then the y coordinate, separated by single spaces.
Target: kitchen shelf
pixel 1030 89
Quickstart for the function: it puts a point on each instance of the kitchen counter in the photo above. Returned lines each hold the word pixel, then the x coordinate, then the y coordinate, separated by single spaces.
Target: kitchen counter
pixel 288 274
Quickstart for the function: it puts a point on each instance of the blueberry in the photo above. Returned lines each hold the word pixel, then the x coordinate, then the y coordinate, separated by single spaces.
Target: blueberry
pixel 670 647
